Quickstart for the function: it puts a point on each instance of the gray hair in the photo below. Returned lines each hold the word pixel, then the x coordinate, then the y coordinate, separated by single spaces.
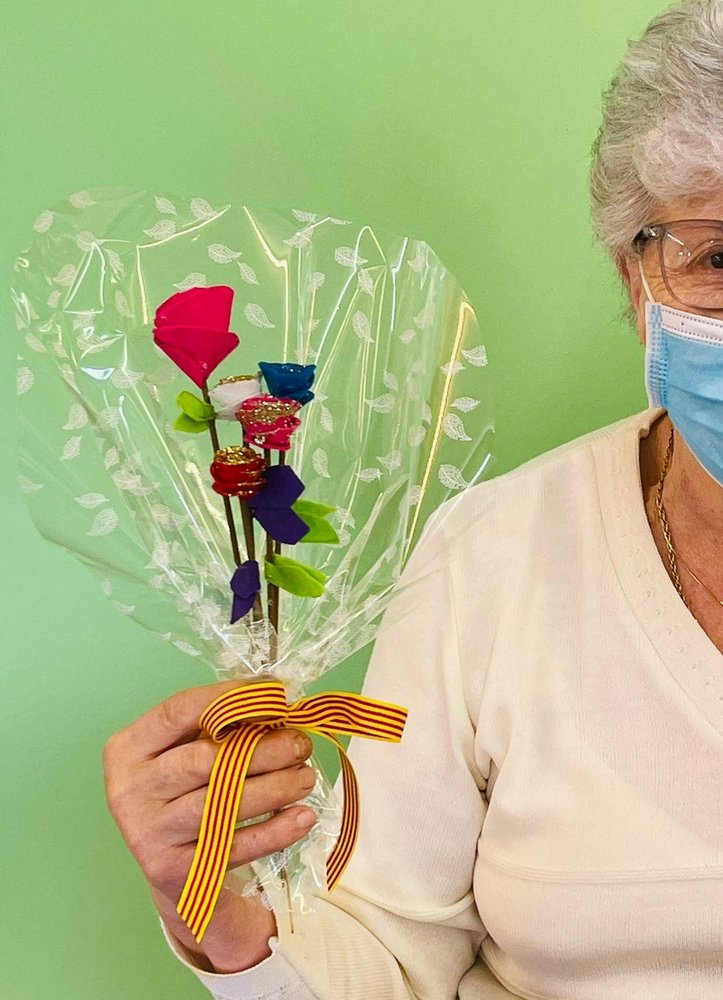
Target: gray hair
pixel 661 136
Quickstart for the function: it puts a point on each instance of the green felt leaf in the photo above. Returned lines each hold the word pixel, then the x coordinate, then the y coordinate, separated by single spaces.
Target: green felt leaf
pixel 196 408
pixel 195 413
pixel 304 507
pixel 320 532
pixel 295 577
pixel 314 514
pixel 188 426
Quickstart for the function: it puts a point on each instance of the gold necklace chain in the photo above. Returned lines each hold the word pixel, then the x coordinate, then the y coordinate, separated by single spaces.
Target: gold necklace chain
pixel 665 528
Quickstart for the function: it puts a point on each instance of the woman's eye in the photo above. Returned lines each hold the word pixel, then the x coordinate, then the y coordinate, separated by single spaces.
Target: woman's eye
pixel 707 259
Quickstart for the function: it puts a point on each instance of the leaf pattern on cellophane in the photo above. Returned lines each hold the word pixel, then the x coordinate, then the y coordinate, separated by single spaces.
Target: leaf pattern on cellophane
pixel 401 422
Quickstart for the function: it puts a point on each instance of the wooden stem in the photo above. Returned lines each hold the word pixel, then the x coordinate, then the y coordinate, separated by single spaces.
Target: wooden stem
pixel 248 525
pixel 273 591
pixel 273 548
pixel 282 461
pixel 226 501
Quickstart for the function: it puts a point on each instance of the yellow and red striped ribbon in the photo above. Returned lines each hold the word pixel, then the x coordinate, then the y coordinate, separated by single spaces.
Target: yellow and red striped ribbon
pixel 237 720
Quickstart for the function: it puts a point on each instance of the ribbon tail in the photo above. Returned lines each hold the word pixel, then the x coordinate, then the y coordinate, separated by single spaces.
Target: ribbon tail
pixel 220 814
pixel 343 850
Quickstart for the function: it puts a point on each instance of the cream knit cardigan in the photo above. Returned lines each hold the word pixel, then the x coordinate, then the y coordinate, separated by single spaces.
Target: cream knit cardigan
pixel 551 825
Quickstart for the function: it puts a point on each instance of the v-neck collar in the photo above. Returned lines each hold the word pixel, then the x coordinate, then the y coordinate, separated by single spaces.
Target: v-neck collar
pixel 683 646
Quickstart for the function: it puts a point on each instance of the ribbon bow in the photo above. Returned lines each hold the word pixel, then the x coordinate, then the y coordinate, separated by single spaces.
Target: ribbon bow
pixel 237 720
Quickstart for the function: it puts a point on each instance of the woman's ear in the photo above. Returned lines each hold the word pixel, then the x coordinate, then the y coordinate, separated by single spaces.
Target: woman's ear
pixel 629 271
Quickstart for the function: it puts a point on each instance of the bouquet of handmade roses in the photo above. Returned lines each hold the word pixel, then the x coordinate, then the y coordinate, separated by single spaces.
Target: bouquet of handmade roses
pixel 205 391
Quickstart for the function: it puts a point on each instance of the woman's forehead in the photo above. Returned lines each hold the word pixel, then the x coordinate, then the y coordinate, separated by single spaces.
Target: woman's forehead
pixel 695 206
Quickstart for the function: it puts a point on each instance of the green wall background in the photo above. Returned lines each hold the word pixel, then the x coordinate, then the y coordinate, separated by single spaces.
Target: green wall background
pixel 467 124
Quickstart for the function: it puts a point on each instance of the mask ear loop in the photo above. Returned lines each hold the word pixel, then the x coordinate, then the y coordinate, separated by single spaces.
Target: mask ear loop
pixel 650 353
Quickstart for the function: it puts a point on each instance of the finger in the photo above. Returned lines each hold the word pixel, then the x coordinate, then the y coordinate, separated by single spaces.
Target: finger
pixel 180 820
pixel 280 748
pixel 167 868
pixel 274 834
pixel 185 768
pixel 172 721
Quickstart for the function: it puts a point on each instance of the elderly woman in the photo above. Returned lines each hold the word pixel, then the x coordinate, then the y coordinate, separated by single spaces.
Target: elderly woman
pixel 552 823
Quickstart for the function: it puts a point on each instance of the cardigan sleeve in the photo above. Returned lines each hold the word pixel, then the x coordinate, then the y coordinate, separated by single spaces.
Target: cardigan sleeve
pixel 402 924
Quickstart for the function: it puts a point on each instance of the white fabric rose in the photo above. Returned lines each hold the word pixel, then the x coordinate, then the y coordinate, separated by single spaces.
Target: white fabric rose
pixel 228 396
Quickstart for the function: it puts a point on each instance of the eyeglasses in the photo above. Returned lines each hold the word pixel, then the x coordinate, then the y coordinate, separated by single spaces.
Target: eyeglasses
pixel 690 254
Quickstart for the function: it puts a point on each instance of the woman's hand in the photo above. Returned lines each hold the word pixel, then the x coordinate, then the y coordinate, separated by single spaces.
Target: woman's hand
pixel 157 771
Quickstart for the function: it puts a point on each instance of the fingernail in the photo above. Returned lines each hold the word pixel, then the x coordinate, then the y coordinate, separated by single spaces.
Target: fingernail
pixel 306 817
pixel 303 746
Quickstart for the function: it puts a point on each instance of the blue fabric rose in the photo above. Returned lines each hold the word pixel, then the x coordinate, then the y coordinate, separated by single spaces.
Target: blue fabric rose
pixel 290 381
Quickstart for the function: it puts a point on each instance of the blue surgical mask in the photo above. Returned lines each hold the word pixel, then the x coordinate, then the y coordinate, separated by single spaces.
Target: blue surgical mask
pixel 684 374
